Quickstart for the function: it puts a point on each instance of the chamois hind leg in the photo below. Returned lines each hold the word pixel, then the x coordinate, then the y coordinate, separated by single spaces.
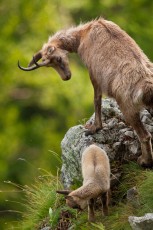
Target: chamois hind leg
pixel 97 125
pixel 91 214
pixel 146 159
pixel 105 201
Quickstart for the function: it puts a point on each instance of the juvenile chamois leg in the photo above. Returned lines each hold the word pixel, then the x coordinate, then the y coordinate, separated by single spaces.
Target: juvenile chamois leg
pixel 105 199
pixel 146 159
pixel 91 214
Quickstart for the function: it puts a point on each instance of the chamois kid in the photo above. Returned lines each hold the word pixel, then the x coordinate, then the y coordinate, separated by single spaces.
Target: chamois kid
pixel 117 67
pixel 96 182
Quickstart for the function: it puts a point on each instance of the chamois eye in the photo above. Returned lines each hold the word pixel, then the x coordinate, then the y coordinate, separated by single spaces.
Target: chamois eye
pixel 59 59
pixel 50 50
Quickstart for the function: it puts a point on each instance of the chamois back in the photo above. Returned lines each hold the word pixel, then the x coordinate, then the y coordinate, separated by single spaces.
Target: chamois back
pixel 96 167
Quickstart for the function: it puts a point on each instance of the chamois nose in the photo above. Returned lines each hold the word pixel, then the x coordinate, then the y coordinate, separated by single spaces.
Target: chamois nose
pixel 67 76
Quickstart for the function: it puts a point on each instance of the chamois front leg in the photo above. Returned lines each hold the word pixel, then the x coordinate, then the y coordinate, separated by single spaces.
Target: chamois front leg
pixel 146 159
pixel 97 125
pixel 91 214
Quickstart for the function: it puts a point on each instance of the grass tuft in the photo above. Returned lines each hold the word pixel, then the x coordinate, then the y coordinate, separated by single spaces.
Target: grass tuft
pixel 46 208
pixel 40 198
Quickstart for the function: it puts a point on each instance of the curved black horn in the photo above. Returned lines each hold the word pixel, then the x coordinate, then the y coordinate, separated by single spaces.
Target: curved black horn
pixel 64 192
pixel 28 68
pixel 35 58
pixel 35 62
pixel 40 64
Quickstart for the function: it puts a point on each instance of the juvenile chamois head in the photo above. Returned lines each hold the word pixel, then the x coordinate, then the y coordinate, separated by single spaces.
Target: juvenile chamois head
pixel 72 200
pixel 51 56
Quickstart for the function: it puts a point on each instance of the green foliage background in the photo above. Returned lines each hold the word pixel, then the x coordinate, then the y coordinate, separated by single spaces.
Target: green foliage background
pixel 37 108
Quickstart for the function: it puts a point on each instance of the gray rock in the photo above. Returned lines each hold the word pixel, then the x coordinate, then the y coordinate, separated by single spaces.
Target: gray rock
pixel 141 223
pixel 112 123
pixel 133 147
pixel 132 194
pixel 146 120
pixel 129 134
pixel 46 228
pixel 116 145
pixel 121 125
pixel 149 128
pixel 116 138
pixel 124 130
pixel 145 113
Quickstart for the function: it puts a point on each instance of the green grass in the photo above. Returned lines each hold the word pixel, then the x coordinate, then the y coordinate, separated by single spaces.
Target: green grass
pixel 143 180
pixel 40 198
pixel 44 206
pixel 146 194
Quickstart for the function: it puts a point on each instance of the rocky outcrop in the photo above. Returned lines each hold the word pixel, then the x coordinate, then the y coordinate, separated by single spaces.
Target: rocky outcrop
pixel 142 223
pixel 116 138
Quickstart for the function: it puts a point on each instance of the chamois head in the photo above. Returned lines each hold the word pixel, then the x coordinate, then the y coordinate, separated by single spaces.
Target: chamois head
pixel 51 56
pixel 72 200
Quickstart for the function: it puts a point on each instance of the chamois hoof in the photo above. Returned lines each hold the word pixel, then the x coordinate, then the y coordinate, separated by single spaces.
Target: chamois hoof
pixel 90 132
pixel 91 129
pixel 146 163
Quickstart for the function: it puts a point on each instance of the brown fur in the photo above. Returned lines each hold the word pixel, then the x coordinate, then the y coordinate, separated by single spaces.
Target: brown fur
pixel 96 182
pixel 117 67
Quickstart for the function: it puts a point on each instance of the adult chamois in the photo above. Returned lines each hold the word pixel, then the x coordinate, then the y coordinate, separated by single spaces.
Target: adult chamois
pixel 96 182
pixel 117 67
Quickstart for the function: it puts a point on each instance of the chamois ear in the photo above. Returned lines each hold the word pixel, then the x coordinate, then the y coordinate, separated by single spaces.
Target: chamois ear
pixel 64 192
pixel 70 198
pixel 51 49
